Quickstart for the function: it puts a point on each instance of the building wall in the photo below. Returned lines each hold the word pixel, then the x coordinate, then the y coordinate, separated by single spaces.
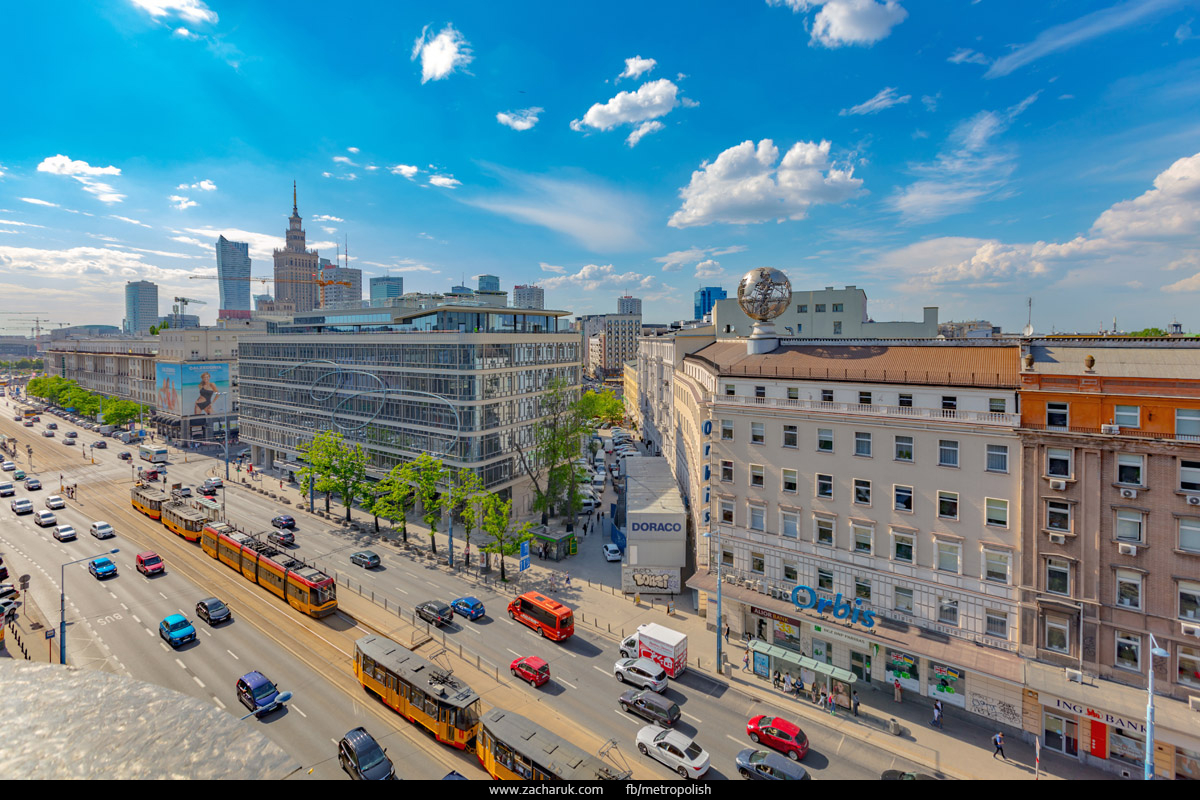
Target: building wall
pixel 141 307
pixel 233 273
pixel 529 297
pixel 826 313
pixel 384 287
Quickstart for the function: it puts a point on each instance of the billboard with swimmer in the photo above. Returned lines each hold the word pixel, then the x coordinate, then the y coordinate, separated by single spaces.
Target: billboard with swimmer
pixel 192 389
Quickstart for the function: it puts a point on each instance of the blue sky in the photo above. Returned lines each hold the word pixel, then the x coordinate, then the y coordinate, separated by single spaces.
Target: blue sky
pixel 960 154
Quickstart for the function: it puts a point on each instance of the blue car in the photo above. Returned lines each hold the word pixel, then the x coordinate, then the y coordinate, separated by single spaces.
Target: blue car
pixel 176 630
pixel 468 607
pixel 102 567
pixel 256 692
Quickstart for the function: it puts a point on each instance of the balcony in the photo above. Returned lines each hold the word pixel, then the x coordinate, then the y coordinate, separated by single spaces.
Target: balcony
pixel 861 410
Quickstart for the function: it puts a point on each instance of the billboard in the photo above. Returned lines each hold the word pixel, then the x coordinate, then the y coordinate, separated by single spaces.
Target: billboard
pixel 166 385
pixel 193 390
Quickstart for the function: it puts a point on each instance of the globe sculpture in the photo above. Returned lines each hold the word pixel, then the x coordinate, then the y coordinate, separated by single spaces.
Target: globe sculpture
pixel 764 293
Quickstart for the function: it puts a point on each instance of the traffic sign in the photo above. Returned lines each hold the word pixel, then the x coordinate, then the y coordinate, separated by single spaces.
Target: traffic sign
pixel 49 633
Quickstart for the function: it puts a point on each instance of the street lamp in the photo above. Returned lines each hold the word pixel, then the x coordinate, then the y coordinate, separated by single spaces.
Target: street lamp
pixel 720 620
pixel 62 603
pixel 1155 650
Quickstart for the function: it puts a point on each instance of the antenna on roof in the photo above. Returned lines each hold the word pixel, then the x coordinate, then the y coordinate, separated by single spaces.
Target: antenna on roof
pixel 1029 323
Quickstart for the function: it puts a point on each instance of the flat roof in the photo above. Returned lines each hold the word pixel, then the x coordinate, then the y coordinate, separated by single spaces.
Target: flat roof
pixel 650 487
pixel 1180 362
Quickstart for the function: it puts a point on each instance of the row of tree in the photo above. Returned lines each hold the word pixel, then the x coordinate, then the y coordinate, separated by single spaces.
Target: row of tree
pixel 69 394
pixel 22 364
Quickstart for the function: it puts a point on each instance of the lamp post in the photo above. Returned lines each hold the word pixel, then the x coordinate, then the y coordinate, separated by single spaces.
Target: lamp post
pixel 62 603
pixel 720 620
pixel 1155 650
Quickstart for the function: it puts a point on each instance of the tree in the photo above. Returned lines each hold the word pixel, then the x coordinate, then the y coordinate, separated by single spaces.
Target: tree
pixel 121 412
pixel 350 474
pixel 464 496
pixel 603 405
pixel 1148 332
pixel 321 454
pixel 395 498
pixel 429 475
pixel 553 440
pixel 497 524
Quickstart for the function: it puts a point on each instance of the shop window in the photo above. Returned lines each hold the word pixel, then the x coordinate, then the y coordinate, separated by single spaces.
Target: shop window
pixel 1129 651
pixel 822 651
pixel 1058 636
pixel 1187 764
pixel 1125 745
pixel 904 599
pixel 1129 588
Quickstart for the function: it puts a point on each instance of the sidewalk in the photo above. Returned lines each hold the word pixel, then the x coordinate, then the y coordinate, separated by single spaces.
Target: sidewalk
pixel 25 637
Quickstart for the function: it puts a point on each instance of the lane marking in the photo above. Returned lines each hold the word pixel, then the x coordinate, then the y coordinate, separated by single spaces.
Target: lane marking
pixel 598 669
pixel 199 682
pixel 514 652
pixel 163 596
pixel 693 719
pixel 573 686
pixel 181 664
pixel 297 710
pixel 509 621
pixel 235 658
pixel 738 742
pixel 401 591
pixel 135 619
pixel 472 630
pixel 217 700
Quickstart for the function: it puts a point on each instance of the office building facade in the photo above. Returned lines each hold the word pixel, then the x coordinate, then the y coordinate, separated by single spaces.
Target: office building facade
pixel 385 287
pixel 704 298
pixel 529 296
pixel 488 283
pixel 141 307
pixel 233 279
pixel 339 292
pixel 629 305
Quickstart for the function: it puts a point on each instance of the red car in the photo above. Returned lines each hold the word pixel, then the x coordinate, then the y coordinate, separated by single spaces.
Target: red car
pixel 532 669
pixel 778 734
pixel 150 563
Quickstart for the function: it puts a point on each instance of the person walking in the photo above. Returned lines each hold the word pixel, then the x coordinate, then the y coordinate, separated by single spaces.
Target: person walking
pixel 831 702
pixel 746 660
pixel 937 715
pixel 896 691
pixel 726 633
pixel 998 741
pixel 568 579
pixel 854 703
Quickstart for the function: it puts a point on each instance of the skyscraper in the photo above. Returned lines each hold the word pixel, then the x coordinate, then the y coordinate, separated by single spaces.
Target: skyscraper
pixel 529 296
pixel 233 273
pixel 337 293
pixel 489 283
pixel 296 267
pixel 386 287
pixel 629 305
pixel 141 306
pixel 704 299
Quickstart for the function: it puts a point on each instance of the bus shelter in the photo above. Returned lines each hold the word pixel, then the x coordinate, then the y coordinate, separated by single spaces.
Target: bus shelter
pixel 769 657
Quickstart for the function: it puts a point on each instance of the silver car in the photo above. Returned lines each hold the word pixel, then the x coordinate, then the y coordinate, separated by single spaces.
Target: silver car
pixel 641 672
pixel 677 751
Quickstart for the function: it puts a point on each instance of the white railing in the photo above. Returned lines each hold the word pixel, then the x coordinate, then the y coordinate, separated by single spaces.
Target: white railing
pixel 859 409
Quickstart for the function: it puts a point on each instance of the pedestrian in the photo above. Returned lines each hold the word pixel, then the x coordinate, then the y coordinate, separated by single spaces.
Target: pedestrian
pixel 799 686
pixel 726 633
pixel 998 741
pixel 937 717
pixel 787 683
pixel 815 694
pixel 746 661
pixel 568 579
pixel 854 703
pixel 776 680
pixel 896 695
pixel 829 701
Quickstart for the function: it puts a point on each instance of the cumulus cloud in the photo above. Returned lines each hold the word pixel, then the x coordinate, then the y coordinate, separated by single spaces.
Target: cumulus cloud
pixel 203 186
pixel 407 170
pixel 181 203
pixel 521 120
pixel 552 268
pixel 848 22
pixel 651 101
pixel 444 181
pixel 327 218
pixel 352 150
pixel 194 11
pixel 1170 210
pixel 642 130
pixel 746 185
pixel 886 98
pixel 441 55
pixel 636 66
pixel 184 33
pixel 707 270
pixel 85 174
pixel 343 160
pixel 594 276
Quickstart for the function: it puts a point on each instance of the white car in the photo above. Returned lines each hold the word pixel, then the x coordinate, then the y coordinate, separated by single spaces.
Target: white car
pixel 641 672
pixel 55 502
pixel 8 466
pixel 679 752
pixel 612 552
pixel 44 519
pixel 102 530
pixel 64 533
pixel 8 609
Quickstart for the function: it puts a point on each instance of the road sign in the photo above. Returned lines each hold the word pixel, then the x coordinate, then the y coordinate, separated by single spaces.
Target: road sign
pixel 49 633
pixel 524 563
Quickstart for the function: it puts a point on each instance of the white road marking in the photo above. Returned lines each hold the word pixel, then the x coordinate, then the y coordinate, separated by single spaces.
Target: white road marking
pixel 560 680
pixel 149 631
pixel 199 682
pixel 235 658
pixel 572 655
pixel 124 606
pixel 297 710
pixel 514 652
pixel 181 664
pixel 472 630
pixel 509 621
pixel 401 591
pixel 598 669
pixel 625 716
pixel 693 719
pixel 739 742
pixel 163 596
pixel 217 700
pixel 135 619
pixel 206 633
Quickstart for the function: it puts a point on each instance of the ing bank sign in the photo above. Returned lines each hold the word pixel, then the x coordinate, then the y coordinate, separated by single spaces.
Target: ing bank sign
pixel 806 597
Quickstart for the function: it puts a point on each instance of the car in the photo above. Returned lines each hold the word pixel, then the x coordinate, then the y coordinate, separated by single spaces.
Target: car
pixel 184 491
pixel 102 530
pixel 52 426
pixel 764 765
pixel 6 489
pixel 284 521
pixel 215 482
pixel 149 563
pixel 650 706
pixel 285 538
pixel 125 455
pixel 100 444
pixel 44 518
pixel 678 752
pixel 213 611
pixel 102 567
pixel 55 502
pixel 363 759
pixel 532 669
pixel 35 418
pixel 72 435
pixel 148 474
pixel 641 672
pixel 8 609
pixel 901 775
pixel 28 423
pixel 21 505
pixel 256 692
pixel 365 559
pixel 469 607
pixel 778 734
pixel 177 630
pixel 612 552
pixel 435 612
pixel 33 484
pixel 19 475
pixel 9 592
pixel 588 503
pixel 64 533
pixel 68 441
pixel 48 434
pixel 8 466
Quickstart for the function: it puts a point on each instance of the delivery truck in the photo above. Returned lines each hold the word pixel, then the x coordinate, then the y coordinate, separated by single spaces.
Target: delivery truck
pixel 666 647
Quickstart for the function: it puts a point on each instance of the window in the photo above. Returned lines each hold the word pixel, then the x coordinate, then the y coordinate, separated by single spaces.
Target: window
pixel 862 492
pixel 1129 589
pixel 825 486
pixel 837 307
pixel 997 458
pixel 948 554
pixel 997 624
pixel 757 518
pixel 862 539
pixel 802 309
pixel 727 558
pixel 789 572
pixel 1189 665
pixel 864 398
pixel 1058 636
pixel 790 436
pixel 1129 651
pixel 1189 476
pixel 793 393
pixel 1058 462
pixel 757 433
pixel 819 308
pixel 902 547
pixel 825 580
pixel 730 390
pixel 862 444
pixel 756 475
pixel 949 403
pixel 727 512
pixel 903 599
pixel 1129 469
pixel 1128 416
pixel 1129 526
pixel 824 440
pixel 758 563
pixel 862 590
pixel 823 531
pixel 827 395
pixel 726 430
pixel 760 391
pixel 996 565
pixel 1187 424
pixel 790 482
pixel 997 405
pixel 1058 515
pixel 726 472
pixel 948 505
pixel 903 498
pixel 837 328
pixel 789 525
pixel 948 611
pixel 996 512
pixel 1058 576
pixel 906 401
pixel 904 448
pixel 947 453
pixel 1189 601
pixel 1056 415
pixel 1189 534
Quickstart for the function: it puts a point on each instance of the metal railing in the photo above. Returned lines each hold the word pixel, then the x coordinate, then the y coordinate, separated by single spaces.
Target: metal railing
pixel 908 412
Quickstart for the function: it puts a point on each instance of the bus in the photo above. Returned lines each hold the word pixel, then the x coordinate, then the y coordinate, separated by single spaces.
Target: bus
pixel 418 690
pixel 513 748
pixel 304 587
pixel 148 501
pixel 28 413
pixel 184 520
pixel 550 618
pixel 152 453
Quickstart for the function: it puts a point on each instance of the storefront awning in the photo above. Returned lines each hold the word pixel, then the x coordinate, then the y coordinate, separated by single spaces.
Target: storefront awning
pixel 837 673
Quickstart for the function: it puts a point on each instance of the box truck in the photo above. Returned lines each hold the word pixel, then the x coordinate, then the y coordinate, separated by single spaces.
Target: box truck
pixel 660 644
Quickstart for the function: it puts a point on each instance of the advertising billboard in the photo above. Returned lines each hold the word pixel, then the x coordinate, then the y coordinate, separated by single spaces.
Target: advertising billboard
pixel 193 390
pixel 166 384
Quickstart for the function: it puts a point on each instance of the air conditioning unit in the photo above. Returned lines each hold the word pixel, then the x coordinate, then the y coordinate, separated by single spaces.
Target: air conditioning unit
pixel 1058 486
pixel 1110 429
pixel 1194 499
pixel 1057 538
pixel 1075 675
pixel 1129 494
pixel 1190 629
pixel 1127 549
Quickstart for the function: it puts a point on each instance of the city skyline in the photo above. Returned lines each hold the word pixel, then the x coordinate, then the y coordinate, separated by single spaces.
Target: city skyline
pixel 966 160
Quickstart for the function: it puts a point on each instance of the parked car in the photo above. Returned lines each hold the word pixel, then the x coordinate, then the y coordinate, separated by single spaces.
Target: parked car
pixel 149 563
pixel 284 521
pixel 9 592
pixel 102 567
pixel 64 533
pixel 435 612
pixel 763 765
pixel 102 530
pixel 469 607
pixel 365 559
pixel 532 669
pixel 256 692
pixel 44 519
pixel 282 537
pixel 8 610
pixel 650 706
pixel 21 505
pixel 177 630
pixel 612 552
pixel 213 611
pixel 363 759
pixel 778 734
pixel 678 752
pixel 55 502
pixel 641 672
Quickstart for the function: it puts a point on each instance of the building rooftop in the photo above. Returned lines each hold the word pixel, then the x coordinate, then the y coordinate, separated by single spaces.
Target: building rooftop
pixel 1179 359
pixel 650 487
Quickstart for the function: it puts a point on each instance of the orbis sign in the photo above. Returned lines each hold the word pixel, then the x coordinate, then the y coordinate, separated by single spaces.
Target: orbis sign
pixel 806 597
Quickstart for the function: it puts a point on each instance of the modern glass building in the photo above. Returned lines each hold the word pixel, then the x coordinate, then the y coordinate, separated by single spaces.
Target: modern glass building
pixel 141 306
pixel 386 287
pixel 704 299
pixel 233 279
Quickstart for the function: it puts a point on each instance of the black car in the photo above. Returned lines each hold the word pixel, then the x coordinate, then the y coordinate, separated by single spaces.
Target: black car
pixel 52 426
pixel 767 765
pixel 125 455
pixel 100 445
pixel 285 538
pixel 651 706
pixel 363 759
pixel 72 435
pixel 213 611
pixel 284 521
pixel 436 612
pixel 365 559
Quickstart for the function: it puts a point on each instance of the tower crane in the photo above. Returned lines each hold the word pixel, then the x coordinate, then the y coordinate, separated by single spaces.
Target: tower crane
pixel 321 282
pixel 180 308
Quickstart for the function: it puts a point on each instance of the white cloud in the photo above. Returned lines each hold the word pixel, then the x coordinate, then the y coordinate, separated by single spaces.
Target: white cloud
pixel 843 22
pixel 444 181
pixel 371 167
pixel 886 98
pixel 930 101
pixel 184 33
pixel 193 241
pixel 636 66
pixel 744 185
pixel 521 120
pixel 441 55
pixel 965 55
pixel 86 174
pixel 36 202
pixel 709 269
pixel 406 170
pixel 81 262
pixel 675 260
pixel 181 203
pixel 352 150
pixel 593 277
pixel 1170 210
pixel 552 268
pixel 20 224
pixel 327 218
pixel 329 230
pixel 651 100
pixel 1067 35
pixel 642 130
pixel 344 160
pixel 202 186
pixel 194 11
pixel 262 245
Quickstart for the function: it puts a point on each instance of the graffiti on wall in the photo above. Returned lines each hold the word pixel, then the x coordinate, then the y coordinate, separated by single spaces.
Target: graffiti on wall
pixel 998 710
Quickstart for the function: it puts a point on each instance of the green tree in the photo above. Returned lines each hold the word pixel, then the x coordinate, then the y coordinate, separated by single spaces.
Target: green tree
pixel 462 497
pixel 1148 332
pixel 551 442
pixel 603 405
pixel 321 455
pixel 503 539
pixel 350 475
pixel 429 474
pixel 121 412
pixel 395 498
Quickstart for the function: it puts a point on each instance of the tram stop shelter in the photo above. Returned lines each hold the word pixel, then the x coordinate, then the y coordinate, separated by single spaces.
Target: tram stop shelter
pixel 767 658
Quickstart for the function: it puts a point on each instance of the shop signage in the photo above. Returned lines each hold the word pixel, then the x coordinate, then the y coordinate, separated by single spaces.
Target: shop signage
pixel 845 638
pixel 657 527
pixel 806 597
pixel 1080 710
pixel 762 612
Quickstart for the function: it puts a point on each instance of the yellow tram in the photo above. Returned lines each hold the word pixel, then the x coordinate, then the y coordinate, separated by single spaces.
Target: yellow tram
pixel 184 520
pixel 513 748
pixel 148 501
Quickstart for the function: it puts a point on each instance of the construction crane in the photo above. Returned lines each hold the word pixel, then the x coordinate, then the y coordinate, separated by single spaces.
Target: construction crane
pixel 321 282
pixel 180 308
pixel 36 328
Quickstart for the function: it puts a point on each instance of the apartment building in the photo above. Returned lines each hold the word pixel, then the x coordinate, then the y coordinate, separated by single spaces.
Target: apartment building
pixel 619 342
pixel 116 366
pixel 826 313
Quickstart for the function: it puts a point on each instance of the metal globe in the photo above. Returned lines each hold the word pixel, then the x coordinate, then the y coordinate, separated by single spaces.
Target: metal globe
pixel 764 293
